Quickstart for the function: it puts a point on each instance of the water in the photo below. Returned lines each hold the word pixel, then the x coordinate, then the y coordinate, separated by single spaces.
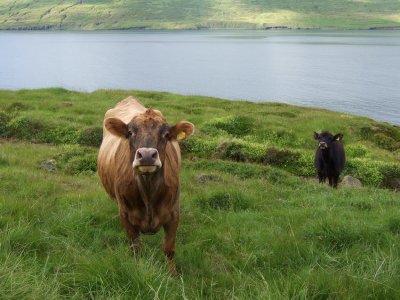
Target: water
pixel 350 71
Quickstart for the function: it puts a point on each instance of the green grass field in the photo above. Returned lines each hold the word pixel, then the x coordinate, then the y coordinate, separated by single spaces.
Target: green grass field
pixel 193 14
pixel 254 222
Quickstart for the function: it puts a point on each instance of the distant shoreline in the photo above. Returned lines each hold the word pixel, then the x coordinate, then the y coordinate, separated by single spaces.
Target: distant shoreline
pixel 198 28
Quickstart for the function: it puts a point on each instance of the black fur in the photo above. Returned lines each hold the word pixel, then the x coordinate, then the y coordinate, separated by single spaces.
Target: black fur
pixel 329 157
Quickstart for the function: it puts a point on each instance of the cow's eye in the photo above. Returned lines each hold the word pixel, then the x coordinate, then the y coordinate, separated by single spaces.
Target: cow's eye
pixel 130 133
pixel 166 135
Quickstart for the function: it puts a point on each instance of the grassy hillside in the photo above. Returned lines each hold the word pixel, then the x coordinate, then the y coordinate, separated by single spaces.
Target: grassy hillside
pixel 185 14
pixel 254 224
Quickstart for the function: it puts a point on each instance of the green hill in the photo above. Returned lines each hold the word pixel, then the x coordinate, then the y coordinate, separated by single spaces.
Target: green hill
pixel 254 224
pixel 192 14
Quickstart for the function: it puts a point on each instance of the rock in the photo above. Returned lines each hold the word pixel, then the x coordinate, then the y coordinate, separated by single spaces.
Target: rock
pixel 207 177
pixel 351 181
pixel 49 165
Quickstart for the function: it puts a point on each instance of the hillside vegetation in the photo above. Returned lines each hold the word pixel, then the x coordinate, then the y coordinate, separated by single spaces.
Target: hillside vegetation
pixel 193 14
pixel 255 224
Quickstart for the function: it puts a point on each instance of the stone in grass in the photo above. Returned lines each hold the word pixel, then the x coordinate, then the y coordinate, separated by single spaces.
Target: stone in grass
pixel 351 181
pixel 49 165
pixel 203 178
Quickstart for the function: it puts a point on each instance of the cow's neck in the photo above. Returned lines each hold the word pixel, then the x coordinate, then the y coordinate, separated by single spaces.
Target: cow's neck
pixel 326 155
pixel 149 188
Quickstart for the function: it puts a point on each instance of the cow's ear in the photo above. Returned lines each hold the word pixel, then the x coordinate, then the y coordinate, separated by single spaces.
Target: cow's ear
pixel 338 137
pixel 316 135
pixel 182 130
pixel 116 127
pixel 158 112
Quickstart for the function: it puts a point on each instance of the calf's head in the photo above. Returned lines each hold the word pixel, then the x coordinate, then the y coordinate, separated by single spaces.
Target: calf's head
pixel 148 135
pixel 325 139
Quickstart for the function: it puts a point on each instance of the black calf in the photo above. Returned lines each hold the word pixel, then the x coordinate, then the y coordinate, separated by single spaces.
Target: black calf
pixel 329 158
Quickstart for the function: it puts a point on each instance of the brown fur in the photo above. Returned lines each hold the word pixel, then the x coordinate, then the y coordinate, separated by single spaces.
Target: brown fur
pixel 146 202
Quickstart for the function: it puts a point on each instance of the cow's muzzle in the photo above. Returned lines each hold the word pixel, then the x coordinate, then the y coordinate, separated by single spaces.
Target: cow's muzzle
pixel 147 160
pixel 323 145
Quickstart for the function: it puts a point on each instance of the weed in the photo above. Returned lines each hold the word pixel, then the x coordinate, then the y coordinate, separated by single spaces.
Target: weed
pixel 16 107
pixel 4 119
pixel 237 126
pixel 77 160
pixel 356 151
pixel 26 128
pixel 280 158
pixel 59 135
pixel 238 150
pixel 91 137
pixel 394 225
pixel 224 200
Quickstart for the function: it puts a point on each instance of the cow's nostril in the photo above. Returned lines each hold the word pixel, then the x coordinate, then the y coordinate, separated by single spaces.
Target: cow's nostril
pixel 323 145
pixel 146 158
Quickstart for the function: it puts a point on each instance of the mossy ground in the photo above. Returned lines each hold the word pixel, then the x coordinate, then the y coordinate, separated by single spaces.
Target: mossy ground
pixel 249 228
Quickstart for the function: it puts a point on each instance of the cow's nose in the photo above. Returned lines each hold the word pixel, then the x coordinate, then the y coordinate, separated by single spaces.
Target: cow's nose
pixel 147 156
pixel 323 145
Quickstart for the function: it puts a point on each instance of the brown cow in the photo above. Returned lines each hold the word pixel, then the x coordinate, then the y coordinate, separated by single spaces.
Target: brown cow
pixel 138 164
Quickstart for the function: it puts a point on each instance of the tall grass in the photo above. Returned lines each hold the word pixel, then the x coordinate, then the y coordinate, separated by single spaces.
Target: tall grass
pixel 248 230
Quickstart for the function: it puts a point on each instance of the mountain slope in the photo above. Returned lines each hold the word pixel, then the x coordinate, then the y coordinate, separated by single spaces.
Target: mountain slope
pixel 185 14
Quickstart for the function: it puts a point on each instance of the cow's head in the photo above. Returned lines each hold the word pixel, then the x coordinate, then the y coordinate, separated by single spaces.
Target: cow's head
pixel 325 139
pixel 148 134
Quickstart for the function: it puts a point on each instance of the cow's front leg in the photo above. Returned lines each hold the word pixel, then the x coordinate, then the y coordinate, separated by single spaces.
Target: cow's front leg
pixel 321 178
pixel 169 245
pixel 132 232
pixel 330 180
pixel 335 181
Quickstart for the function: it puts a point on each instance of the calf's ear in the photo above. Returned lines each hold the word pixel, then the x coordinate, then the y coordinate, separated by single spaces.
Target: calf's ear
pixel 338 137
pixel 316 135
pixel 182 130
pixel 116 127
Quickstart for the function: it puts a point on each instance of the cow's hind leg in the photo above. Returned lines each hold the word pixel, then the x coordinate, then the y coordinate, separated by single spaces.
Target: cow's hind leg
pixel 131 231
pixel 169 245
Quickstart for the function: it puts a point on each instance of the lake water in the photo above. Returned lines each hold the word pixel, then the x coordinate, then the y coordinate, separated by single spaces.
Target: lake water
pixel 351 71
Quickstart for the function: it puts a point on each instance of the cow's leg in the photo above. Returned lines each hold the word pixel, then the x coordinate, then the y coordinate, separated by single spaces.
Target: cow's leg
pixel 335 180
pixel 330 180
pixel 169 245
pixel 132 232
pixel 321 177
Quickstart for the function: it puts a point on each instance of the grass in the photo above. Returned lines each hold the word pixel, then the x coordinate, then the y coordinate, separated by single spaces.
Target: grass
pixel 248 230
pixel 240 131
pixel 192 14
